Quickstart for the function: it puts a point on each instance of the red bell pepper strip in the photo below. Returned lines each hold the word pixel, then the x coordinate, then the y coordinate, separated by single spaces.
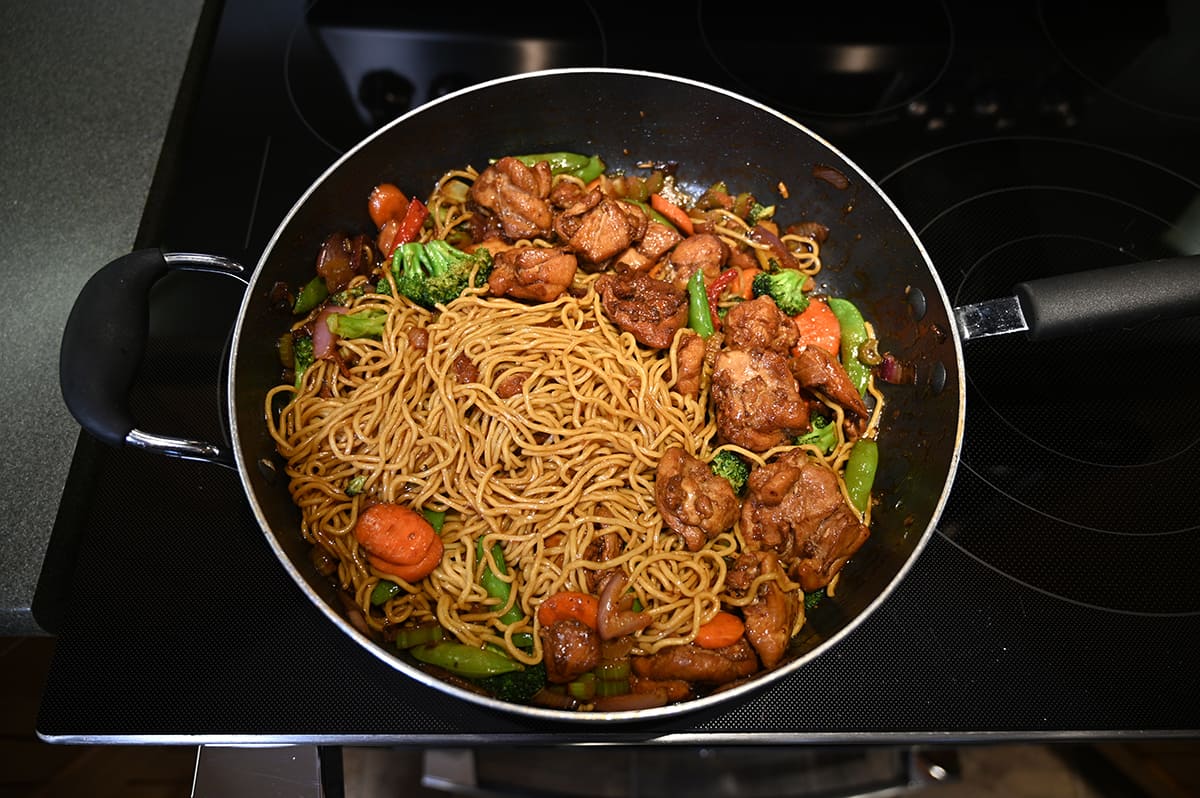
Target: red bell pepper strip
pixel 410 226
pixel 723 281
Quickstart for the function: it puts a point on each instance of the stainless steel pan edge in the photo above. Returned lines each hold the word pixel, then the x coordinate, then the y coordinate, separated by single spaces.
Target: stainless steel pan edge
pixel 659 117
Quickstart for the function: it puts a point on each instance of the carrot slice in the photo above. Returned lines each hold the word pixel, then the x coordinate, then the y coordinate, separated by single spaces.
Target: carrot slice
pixel 678 216
pixel 743 286
pixel 819 327
pixel 724 629
pixel 566 604
pixel 414 572
pixel 395 533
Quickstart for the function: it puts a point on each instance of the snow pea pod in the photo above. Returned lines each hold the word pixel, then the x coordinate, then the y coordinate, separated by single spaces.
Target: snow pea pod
pixel 860 472
pixel 586 167
pixel 465 660
pixel 699 314
pixel 496 587
pixel 854 335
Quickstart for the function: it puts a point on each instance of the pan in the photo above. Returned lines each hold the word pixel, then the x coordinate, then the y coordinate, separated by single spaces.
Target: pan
pixel 872 255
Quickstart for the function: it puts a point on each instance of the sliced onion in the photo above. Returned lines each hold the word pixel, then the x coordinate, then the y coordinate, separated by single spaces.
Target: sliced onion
pixel 894 371
pixel 611 620
pixel 778 249
pixel 831 176
pixel 323 337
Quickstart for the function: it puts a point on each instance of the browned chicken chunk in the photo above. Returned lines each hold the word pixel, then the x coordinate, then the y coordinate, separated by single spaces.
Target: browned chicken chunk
pixel 757 403
pixel 760 324
pixel 692 663
pixel 700 252
pixel 795 508
pixel 517 195
pixel 658 240
pixel 570 649
pixel 694 502
pixel 816 369
pixel 690 358
pixel 533 273
pixel 770 617
pixel 653 311
pixel 598 228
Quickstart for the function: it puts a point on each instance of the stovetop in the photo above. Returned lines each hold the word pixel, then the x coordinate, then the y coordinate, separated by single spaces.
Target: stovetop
pixel 1057 597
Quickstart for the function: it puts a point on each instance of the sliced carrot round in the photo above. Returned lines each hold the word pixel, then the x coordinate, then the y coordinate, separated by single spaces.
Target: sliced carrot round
pixel 410 573
pixel 583 607
pixel 724 629
pixel 395 533
pixel 818 326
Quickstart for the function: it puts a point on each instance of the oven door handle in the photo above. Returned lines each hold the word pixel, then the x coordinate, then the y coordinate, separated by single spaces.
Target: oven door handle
pixel 104 342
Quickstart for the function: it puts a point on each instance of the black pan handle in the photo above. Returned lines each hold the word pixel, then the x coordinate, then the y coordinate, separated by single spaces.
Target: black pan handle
pixel 104 342
pixel 1112 298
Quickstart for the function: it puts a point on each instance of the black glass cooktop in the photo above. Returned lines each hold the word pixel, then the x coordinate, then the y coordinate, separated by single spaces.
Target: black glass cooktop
pixel 1057 596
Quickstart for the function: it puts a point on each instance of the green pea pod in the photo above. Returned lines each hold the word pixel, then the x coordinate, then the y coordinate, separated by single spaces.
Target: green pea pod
pixel 464 660
pixel 854 335
pixel 860 472
pixel 590 171
pixel 312 294
pixel 559 161
pixel 699 315
pixel 496 587
pixel 436 519
pixel 384 590
pixel 419 635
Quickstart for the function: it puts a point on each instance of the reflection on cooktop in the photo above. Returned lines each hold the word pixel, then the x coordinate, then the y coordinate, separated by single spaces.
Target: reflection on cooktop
pixel 833 58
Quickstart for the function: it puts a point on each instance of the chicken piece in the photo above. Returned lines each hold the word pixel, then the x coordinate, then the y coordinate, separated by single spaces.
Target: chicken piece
pixel 653 311
pixel 758 405
pixel 694 502
pixel 566 193
pixel 816 369
pixel 602 549
pixel 598 228
pixel 691 663
pixel 658 240
pixel 701 252
pixel 517 195
pixel 770 617
pixel 760 324
pixel 532 273
pixel 690 358
pixel 795 508
pixel 570 648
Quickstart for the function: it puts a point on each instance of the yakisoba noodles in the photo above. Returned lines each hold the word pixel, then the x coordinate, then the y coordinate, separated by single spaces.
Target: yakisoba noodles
pixel 551 468
pixel 571 457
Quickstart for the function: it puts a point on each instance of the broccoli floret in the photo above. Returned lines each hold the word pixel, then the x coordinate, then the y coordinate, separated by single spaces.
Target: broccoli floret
pixel 516 686
pixel 302 358
pixel 758 212
pixel 823 435
pixel 366 323
pixel 436 273
pixel 347 295
pixel 730 465
pixel 785 287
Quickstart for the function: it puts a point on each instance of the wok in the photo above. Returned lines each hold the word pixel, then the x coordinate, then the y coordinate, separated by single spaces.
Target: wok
pixel 872 256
